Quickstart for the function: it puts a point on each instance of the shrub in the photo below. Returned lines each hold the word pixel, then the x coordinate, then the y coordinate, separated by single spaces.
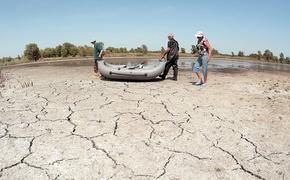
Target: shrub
pixel 32 52
pixel 241 54
pixel 183 50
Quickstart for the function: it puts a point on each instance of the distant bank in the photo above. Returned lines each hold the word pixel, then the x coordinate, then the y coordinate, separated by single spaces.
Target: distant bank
pixel 185 63
pixel 15 61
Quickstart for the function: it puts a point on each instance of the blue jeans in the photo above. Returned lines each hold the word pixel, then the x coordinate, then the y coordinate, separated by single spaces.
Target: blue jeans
pixel 202 61
pixel 96 60
pixel 96 67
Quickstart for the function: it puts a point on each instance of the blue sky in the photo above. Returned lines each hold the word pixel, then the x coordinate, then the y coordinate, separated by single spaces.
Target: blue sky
pixel 230 25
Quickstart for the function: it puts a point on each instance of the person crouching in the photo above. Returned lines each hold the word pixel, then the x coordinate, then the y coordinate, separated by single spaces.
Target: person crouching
pixel 99 54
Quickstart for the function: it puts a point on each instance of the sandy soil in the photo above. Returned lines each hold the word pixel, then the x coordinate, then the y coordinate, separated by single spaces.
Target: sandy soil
pixel 62 123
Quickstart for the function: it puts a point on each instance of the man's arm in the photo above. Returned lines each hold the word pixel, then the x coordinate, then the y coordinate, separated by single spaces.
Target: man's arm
pixel 209 50
pixel 102 54
pixel 166 52
pixel 169 46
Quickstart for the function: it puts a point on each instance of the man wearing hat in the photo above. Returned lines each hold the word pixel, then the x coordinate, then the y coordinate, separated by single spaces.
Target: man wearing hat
pixel 172 53
pixel 204 56
pixel 98 53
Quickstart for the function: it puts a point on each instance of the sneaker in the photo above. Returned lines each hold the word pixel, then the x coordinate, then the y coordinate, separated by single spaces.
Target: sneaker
pixel 195 80
pixel 204 85
pixel 199 83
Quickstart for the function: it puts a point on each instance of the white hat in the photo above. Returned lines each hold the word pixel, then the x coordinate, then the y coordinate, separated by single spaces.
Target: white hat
pixel 199 34
pixel 170 35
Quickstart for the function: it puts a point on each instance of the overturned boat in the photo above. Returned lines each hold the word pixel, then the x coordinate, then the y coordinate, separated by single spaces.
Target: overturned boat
pixel 140 72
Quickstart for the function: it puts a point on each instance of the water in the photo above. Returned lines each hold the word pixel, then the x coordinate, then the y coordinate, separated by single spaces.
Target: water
pixel 186 63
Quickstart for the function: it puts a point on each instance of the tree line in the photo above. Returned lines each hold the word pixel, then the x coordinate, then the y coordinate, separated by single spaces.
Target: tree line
pixel 267 55
pixel 33 53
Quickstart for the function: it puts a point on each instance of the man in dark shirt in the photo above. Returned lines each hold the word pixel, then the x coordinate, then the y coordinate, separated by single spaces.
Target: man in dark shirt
pixel 98 54
pixel 172 53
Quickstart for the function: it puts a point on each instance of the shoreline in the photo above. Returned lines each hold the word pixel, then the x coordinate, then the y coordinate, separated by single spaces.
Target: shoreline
pixel 64 60
pixel 193 57
pixel 75 62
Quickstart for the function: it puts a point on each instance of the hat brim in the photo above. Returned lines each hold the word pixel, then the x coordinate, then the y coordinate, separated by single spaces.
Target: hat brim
pixel 198 35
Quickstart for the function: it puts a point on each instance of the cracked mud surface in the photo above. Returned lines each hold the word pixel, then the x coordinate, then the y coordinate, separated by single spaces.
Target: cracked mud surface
pixel 68 125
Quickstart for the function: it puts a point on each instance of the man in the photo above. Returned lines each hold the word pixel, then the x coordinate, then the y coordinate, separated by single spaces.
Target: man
pixel 204 56
pixel 172 53
pixel 99 53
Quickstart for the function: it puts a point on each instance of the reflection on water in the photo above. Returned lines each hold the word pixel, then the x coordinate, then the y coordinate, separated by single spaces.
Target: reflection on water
pixel 187 63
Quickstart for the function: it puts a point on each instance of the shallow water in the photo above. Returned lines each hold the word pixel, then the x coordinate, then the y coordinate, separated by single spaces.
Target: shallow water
pixel 184 63
pixel 187 63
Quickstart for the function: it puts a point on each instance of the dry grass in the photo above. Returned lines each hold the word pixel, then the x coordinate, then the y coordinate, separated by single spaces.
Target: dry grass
pixel 26 84
pixel 2 79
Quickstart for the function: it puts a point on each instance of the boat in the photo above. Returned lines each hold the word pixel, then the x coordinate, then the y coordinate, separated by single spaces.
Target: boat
pixel 140 72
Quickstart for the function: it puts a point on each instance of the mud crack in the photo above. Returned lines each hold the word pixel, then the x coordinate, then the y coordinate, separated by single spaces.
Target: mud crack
pixel 106 104
pixel 166 109
pixel 187 153
pixel 116 126
pixel 165 166
pixel 69 119
pixel 256 150
pixel 238 163
pixel 78 101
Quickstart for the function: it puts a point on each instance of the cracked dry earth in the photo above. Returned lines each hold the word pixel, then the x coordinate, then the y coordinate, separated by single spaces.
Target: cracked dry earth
pixel 63 123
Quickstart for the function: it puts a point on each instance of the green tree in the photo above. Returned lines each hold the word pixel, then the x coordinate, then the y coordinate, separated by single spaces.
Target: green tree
pixel 275 59
pixel 268 55
pixel 85 51
pixel 82 51
pixel 69 49
pixel 18 57
pixel 260 56
pixel 58 50
pixel 253 55
pixel 89 50
pixel 132 50
pixel 144 48
pixel 183 51
pixel 215 52
pixel 193 49
pixel 32 52
pixel 233 54
pixel 123 50
pixel 110 49
pixel 48 53
pixel 139 50
pixel 287 60
pixel 74 51
pixel 241 54
pixel 282 57
pixel 7 59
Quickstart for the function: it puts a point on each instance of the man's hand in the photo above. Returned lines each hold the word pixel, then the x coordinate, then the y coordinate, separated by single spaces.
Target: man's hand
pixel 166 52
